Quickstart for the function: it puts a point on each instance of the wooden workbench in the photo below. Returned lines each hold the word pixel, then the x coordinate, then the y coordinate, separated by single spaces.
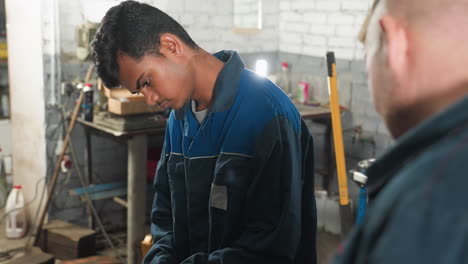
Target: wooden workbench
pixel 137 143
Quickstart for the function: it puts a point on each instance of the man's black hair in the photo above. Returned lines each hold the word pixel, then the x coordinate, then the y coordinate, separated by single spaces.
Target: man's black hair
pixel 133 28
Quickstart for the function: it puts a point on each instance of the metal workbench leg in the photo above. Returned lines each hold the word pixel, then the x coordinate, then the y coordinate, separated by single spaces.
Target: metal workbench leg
pixel 89 174
pixel 137 155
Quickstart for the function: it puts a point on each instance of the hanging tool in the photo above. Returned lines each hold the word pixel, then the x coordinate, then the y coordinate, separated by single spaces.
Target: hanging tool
pixel 345 207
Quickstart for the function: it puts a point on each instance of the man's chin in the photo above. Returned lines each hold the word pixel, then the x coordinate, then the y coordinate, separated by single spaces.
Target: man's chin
pixel 177 106
pixel 398 123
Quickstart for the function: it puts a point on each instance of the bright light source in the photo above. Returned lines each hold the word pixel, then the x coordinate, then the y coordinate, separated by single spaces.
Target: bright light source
pixel 261 67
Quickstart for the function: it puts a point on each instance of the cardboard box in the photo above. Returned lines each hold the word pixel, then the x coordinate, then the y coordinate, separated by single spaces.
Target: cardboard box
pixel 122 102
pixel 123 94
pixel 131 107
pixel 119 93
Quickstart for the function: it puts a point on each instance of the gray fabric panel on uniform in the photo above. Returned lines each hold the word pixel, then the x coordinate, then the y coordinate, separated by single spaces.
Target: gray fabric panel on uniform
pixel 218 197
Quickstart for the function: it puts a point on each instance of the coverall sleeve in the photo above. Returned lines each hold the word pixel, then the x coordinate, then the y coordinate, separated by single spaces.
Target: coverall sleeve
pixel 272 230
pixel 162 250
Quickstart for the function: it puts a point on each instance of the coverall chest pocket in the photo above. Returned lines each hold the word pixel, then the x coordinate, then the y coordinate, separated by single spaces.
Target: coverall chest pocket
pixel 227 200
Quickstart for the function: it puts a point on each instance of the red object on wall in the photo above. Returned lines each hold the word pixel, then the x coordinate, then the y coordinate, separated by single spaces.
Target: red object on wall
pixel 152 162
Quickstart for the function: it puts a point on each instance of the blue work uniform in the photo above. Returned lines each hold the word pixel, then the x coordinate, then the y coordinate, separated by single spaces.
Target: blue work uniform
pixel 418 197
pixel 239 187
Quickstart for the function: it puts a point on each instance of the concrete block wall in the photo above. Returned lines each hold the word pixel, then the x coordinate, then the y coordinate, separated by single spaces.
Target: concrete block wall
pixel 209 22
pixel 316 26
pixel 211 25
pixel 355 96
pixel 294 26
pixel 307 30
pixel 74 13
pixel 246 14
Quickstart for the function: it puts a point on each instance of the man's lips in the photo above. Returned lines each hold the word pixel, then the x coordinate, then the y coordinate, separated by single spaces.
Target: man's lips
pixel 164 103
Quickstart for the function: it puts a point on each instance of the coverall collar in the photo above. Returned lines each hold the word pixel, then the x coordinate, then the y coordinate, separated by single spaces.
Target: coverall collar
pixel 225 89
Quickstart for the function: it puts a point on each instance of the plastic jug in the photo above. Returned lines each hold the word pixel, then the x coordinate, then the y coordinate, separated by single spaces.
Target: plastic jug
pixel 16 222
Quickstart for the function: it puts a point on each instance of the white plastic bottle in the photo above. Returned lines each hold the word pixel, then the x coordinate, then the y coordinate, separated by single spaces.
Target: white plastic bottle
pixel 284 79
pixel 16 222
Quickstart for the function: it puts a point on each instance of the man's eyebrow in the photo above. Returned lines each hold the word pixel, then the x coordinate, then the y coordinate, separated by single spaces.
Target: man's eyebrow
pixel 138 86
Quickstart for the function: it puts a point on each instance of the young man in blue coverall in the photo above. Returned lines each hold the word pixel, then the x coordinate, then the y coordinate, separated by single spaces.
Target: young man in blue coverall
pixel 235 180
pixel 416 58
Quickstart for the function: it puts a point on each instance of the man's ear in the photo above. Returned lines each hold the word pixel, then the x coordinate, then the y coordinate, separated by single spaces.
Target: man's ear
pixel 170 44
pixel 395 41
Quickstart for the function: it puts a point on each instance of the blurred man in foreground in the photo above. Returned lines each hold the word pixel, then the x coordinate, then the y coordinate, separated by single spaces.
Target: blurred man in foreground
pixel 417 61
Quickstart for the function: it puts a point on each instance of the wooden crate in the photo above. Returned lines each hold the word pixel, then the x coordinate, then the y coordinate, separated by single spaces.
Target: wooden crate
pixel 67 241
pixel 123 93
pixel 131 107
pixel 122 102
pixel 119 93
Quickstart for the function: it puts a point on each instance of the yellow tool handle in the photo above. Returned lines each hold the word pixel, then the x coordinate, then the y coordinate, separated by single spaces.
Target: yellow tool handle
pixel 337 130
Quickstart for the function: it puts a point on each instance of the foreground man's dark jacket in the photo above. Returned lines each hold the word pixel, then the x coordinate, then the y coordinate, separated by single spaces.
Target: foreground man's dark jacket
pixel 418 196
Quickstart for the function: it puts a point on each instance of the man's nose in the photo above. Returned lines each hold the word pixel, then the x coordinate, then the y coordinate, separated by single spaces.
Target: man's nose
pixel 150 96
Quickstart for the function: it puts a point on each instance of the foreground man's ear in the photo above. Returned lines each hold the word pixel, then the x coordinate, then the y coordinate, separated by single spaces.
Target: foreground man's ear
pixel 395 45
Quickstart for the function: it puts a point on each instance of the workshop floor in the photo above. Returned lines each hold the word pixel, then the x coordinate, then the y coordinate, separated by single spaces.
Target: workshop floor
pixel 8 244
pixel 118 238
pixel 326 245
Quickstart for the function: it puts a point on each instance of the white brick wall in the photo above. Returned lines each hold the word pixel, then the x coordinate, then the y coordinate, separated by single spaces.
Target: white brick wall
pixel 329 5
pixel 340 19
pixel 303 5
pixel 355 5
pixel 209 22
pixel 315 18
pixel 332 25
pixel 299 26
pixel 214 29
pixel 245 13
